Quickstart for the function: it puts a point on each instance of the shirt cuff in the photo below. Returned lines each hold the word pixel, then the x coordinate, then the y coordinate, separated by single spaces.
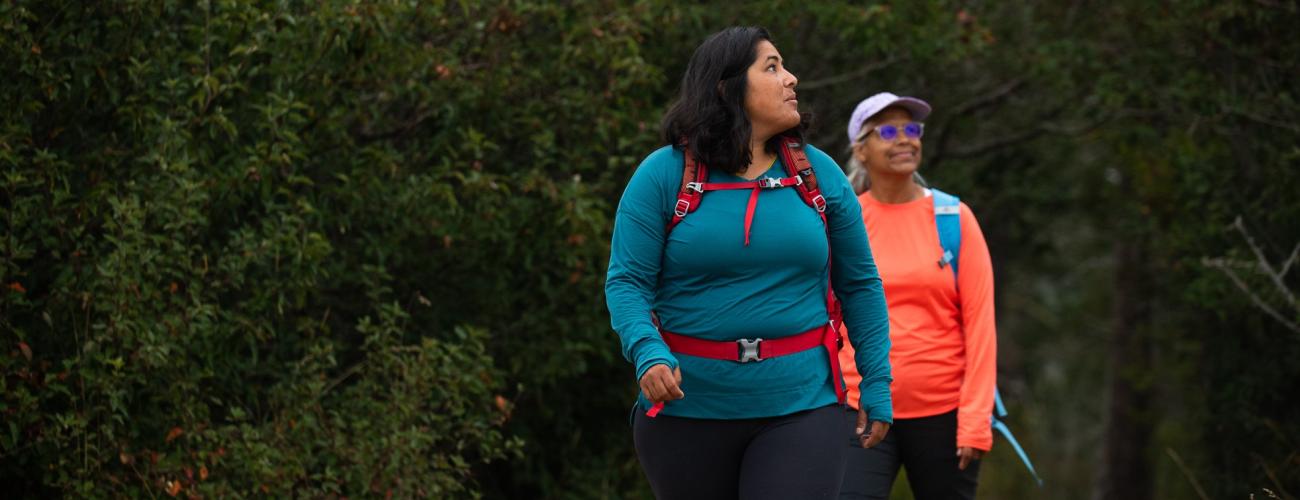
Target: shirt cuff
pixel 876 400
pixel 975 431
pixel 649 352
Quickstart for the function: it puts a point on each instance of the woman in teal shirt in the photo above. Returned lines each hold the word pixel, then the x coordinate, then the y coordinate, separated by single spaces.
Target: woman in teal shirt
pixel 746 264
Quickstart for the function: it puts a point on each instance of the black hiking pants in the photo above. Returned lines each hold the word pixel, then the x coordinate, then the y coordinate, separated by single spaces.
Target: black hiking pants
pixel 926 447
pixel 793 456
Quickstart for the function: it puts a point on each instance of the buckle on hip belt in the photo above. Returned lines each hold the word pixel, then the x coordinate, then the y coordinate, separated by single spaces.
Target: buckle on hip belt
pixel 748 350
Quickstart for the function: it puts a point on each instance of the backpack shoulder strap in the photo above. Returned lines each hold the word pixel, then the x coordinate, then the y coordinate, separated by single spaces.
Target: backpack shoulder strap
pixel 947 218
pixel 694 174
pixel 797 164
pixel 999 425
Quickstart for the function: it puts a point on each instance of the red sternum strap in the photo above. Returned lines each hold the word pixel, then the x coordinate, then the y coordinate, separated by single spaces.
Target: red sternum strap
pixel 755 186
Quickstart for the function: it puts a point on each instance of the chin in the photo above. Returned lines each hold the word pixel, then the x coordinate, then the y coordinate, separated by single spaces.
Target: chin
pixel 908 167
pixel 791 122
pixel 902 170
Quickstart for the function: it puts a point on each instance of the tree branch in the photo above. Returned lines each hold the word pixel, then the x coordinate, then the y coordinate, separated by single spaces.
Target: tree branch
pixel 1187 472
pixel 941 134
pixel 989 98
pixel 1286 266
pixel 1271 475
pixel 1263 263
pixel 850 76
pixel 403 128
pixel 995 144
pixel 1044 128
pixel 1219 264
pixel 1264 120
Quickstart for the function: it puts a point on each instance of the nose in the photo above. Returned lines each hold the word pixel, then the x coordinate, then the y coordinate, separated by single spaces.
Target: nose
pixel 791 81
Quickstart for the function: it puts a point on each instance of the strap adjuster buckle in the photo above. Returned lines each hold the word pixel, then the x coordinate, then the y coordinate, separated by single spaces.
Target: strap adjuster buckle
pixel 819 201
pixel 769 183
pixel 748 350
pixel 695 186
pixel 682 207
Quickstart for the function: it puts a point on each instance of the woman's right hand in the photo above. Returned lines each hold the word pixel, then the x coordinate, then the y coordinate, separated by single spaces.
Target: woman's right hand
pixel 659 384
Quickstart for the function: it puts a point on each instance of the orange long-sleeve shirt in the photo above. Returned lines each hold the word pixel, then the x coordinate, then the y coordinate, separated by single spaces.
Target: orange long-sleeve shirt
pixel 944 353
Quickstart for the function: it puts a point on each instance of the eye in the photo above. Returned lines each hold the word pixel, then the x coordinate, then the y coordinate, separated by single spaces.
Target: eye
pixel 771 67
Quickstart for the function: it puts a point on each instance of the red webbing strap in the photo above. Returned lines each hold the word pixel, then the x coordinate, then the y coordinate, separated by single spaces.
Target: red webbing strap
pixel 796 163
pixel 756 186
pixel 824 336
pixel 712 349
pixel 688 196
pixel 765 183
pixel 657 407
pixel 749 211
pixel 729 350
pixel 831 341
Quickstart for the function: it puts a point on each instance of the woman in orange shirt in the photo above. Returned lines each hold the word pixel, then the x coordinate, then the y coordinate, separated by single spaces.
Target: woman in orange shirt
pixel 941 322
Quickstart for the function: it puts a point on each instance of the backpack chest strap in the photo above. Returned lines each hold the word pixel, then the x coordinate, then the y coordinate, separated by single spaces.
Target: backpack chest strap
pixel 697 189
pixel 764 183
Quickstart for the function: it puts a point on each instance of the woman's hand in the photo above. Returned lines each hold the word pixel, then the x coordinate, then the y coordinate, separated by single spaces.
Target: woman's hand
pixel 661 385
pixel 966 455
pixel 877 433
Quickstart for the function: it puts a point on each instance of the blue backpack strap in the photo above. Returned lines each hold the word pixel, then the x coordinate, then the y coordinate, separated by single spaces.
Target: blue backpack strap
pixel 947 218
pixel 1000 412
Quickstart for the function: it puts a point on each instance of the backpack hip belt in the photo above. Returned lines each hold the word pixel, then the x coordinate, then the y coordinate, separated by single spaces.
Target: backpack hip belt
pixel 747 350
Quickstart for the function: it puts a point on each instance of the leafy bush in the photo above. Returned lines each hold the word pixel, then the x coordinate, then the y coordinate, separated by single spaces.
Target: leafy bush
pixel 270 248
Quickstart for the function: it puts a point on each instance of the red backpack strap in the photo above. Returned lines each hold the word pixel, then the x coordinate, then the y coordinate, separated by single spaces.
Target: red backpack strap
pixel 694 174
pixel 796 163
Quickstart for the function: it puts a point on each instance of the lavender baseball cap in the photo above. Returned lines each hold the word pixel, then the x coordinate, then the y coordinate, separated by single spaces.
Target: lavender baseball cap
pixel 874 104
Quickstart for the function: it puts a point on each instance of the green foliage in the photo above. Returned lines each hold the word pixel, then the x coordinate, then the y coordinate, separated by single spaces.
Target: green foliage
pixel 270 249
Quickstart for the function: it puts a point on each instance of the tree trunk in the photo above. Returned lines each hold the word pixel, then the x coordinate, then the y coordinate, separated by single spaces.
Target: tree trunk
pixel 1126 471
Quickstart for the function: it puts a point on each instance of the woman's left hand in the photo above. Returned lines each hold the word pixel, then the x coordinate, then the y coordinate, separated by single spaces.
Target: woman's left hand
pixel 873 436
pixel 966 455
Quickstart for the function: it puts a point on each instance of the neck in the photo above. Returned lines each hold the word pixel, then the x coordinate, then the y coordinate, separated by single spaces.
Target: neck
pixel 894 189
pixel 759 158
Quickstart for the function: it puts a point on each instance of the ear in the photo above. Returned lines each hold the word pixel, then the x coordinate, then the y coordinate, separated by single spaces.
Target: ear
pixel 860 152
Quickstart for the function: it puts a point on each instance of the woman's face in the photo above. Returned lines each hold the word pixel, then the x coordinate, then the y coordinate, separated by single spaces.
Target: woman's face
pixel 901 156
pixel 769 98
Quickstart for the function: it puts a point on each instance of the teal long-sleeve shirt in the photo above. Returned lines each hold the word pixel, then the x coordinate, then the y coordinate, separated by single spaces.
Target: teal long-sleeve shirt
pixel 703 281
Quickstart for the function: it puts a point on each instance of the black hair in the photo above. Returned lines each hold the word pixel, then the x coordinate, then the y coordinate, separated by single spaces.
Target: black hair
pixel 709 114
